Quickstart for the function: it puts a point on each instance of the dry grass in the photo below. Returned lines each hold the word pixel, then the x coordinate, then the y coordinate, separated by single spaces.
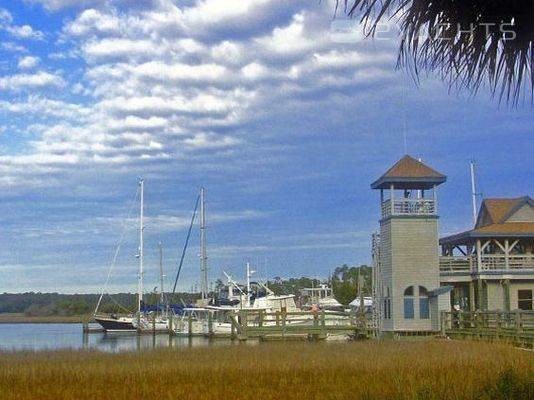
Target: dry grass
pixel 370 370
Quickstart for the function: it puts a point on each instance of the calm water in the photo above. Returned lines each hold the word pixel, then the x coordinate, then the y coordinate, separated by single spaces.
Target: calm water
pixel 69 336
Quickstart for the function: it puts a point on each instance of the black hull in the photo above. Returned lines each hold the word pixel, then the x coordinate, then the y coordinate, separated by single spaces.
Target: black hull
pixel 114 325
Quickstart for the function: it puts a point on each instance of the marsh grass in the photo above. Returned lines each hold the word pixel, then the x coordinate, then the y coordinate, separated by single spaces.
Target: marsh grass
pixel 364 370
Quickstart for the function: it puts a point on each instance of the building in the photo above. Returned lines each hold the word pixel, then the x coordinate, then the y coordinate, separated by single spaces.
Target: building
pixel 492 265
pixel 407 280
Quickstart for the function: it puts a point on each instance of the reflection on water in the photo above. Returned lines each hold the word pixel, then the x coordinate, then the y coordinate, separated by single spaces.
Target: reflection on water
pixel 69 336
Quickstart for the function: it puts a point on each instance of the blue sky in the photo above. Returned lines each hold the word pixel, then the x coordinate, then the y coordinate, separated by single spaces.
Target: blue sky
pixel 285 128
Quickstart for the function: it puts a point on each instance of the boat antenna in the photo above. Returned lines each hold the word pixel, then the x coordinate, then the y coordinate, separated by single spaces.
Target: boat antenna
pixel 185 246
pixel 473 192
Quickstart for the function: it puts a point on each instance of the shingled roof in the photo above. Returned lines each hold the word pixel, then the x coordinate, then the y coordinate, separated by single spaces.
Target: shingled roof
pixel 409 173
pixel 496 211
pixel 493 221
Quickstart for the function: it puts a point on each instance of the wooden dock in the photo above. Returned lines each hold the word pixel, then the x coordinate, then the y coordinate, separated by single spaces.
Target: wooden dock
pixel 513 326
pixel 259 324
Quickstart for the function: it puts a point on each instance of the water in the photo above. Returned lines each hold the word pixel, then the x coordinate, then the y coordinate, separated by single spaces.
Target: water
pixel 38 337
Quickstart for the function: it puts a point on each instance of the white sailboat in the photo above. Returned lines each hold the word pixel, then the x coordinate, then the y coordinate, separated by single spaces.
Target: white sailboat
pixel 113 322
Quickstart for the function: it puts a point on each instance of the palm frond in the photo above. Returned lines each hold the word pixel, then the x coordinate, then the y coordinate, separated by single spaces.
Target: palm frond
pixel 499 48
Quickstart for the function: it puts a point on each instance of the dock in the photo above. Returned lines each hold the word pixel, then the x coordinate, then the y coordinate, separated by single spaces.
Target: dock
pixel 513 326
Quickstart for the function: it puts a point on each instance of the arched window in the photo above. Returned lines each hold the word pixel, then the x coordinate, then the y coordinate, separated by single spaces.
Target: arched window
pixel 424 311
pixel 408 303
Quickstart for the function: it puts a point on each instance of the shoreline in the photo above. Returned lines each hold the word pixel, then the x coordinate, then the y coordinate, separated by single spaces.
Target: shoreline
pixel 9 318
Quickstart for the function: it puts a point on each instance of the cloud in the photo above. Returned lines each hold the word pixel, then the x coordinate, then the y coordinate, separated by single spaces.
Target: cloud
pixel 18 31
pixel 28 62
pixel 13 47
pixel 55 5
pixel 40 79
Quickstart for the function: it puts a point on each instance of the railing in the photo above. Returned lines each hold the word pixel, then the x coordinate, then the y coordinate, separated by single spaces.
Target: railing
pixel 455 264
pixel 408 207
pixel 516 326
pixel 490 263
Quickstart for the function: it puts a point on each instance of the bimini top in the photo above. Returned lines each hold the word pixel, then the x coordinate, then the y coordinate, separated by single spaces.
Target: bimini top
pixel 409 173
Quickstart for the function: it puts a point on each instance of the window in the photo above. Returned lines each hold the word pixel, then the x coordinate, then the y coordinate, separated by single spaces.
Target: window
pixel 408 303
pixel 524 299
pixel 424 311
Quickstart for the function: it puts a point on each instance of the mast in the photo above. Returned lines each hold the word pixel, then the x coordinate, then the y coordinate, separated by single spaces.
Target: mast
pixel 249 275
pixel 473 193
pixel 203 256
pixel 161 276
pixel 141 245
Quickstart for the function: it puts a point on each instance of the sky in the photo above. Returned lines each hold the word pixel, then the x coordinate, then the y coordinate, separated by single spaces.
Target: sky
pixel 284 127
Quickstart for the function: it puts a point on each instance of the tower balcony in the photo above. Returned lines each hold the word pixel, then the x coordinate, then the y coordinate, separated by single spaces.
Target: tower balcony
pixel 404 206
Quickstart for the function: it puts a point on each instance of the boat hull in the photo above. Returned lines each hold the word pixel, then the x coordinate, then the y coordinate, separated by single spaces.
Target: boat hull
pixel 116 325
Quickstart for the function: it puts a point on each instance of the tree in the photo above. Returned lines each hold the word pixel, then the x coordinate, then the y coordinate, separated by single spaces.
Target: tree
pixel 466 42
pixel 345 282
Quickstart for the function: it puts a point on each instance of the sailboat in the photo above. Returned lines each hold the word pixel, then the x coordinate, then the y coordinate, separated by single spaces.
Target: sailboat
pixel 116 323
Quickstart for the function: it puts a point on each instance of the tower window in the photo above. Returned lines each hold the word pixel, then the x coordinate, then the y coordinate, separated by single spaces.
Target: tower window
pixel 524 300
pixel 408 303
pixel 424 311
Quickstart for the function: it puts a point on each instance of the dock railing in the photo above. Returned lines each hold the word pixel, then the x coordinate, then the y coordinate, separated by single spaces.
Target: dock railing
pixel 515 326
pixel 280 324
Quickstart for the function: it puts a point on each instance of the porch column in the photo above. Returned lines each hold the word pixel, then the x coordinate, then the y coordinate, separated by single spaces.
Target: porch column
pixel 506 255
pixel 392 199
pixel 479 255
pixel 506 294
pixel 472 296
pixel 480 290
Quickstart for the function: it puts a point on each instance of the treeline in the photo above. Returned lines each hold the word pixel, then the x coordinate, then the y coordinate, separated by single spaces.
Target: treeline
pixel 344 283
pixel 56 304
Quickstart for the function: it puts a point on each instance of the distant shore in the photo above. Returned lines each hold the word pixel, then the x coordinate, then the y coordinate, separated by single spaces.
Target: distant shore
pixel 19 318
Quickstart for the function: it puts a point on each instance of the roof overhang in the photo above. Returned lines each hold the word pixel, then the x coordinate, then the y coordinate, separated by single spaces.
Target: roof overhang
pixel 472 235
pixel 423 183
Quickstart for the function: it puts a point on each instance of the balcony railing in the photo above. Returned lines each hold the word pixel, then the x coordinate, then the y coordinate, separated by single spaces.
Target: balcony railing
pixel 489 263
pixel 408 207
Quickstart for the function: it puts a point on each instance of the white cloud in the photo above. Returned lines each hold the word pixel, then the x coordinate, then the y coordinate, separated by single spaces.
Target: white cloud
pixel 18 31
pixel 13 47
pixel 55 5
pixel 92 21
pixel 207 12
pixel 24 32
pixel 293 38
pixel 37 80
pixel 159 86
pixel 28 62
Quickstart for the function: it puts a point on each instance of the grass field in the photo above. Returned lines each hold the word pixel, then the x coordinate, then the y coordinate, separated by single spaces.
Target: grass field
pixel 362 370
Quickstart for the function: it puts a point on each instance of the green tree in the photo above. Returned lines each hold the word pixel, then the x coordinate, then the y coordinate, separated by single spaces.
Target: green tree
pixel 345 282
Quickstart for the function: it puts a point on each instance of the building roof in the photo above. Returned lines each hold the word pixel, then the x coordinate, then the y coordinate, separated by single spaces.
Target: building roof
pixel 409 173
pixel 497 211
pixel 494 221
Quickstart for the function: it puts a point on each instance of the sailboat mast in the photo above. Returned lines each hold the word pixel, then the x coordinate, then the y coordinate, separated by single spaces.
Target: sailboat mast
pixel 162 289
pixel 141 245
pixel 248 284
pixel 203 256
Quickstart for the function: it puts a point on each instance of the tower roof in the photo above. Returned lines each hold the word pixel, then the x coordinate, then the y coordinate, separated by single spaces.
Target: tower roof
pixel 409 173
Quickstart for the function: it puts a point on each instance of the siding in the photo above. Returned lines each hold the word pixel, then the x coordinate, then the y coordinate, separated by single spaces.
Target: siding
pixel 409 257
